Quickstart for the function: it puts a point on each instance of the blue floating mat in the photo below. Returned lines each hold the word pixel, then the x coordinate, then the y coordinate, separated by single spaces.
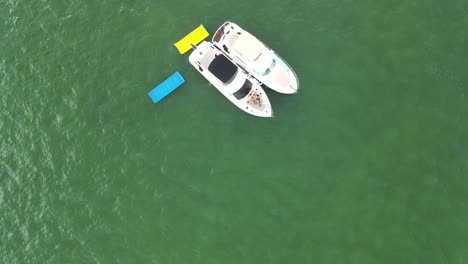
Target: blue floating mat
pixel 166 87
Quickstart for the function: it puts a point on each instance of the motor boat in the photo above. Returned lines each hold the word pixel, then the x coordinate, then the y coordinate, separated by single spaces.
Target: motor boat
pixel 256 58
pixel 234 82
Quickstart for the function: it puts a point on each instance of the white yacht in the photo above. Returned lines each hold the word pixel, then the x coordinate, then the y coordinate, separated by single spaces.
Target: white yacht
pixel 231 80
pixel 255 57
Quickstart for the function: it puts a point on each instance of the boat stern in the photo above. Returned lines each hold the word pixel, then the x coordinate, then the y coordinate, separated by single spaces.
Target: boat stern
pixel 220 32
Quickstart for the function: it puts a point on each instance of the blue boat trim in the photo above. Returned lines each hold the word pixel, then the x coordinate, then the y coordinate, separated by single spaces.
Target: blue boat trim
pixel 166 87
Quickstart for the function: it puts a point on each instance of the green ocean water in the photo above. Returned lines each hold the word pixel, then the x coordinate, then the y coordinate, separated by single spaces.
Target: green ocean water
pixel 367 164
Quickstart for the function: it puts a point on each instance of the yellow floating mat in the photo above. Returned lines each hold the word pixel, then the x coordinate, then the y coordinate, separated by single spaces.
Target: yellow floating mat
pixel 194 37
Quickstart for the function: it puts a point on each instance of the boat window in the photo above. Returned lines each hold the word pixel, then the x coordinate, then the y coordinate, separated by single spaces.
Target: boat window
pixel 223 69
pixel 268 70
pixel 244 90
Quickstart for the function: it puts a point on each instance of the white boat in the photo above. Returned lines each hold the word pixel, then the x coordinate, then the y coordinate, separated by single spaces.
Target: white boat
pixel 232 81
pixel 256 57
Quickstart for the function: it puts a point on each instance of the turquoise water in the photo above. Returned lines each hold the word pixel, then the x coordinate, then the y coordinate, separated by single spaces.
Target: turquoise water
pixel 367 164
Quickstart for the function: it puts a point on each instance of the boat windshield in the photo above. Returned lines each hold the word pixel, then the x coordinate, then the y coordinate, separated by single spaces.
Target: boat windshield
pixel 244 90
pixel 269 69
pixel 223 69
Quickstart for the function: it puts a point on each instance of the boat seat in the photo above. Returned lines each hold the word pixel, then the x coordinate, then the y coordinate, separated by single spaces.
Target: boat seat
pixel 222 68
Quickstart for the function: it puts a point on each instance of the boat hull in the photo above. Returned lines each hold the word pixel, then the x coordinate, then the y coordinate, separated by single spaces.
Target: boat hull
pixel 250 102
pixel 280 78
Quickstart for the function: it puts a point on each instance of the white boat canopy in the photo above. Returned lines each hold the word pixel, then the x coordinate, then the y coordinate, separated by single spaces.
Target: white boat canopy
pixel 247 45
